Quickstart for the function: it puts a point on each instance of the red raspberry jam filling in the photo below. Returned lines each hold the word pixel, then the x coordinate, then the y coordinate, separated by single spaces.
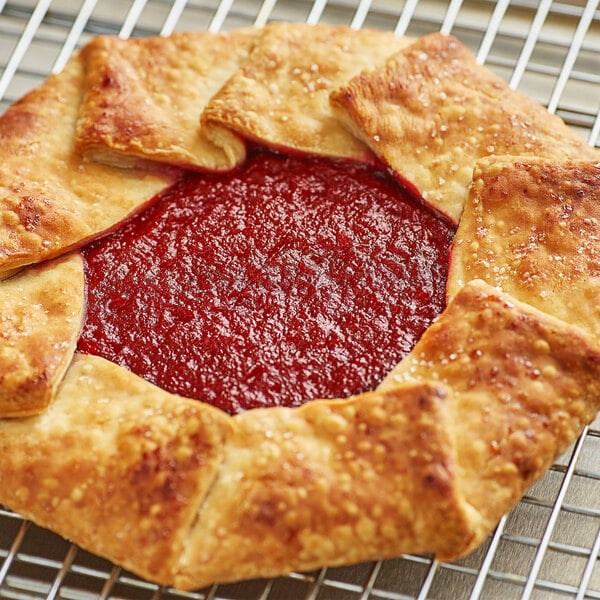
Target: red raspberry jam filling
pixel 291 279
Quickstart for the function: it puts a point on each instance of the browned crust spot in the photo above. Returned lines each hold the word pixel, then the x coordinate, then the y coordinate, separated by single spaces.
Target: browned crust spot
pixel 142 99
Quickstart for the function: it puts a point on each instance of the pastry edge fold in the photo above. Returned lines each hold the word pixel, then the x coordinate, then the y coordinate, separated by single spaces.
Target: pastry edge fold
pixel 42 310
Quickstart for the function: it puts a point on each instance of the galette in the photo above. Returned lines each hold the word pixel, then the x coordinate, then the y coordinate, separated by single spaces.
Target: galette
pixel 289 297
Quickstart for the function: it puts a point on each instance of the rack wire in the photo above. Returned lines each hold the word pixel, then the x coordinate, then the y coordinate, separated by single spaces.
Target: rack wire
pixel 548 546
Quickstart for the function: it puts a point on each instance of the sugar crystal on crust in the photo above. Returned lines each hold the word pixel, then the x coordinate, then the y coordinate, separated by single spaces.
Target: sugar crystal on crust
pixel 532 227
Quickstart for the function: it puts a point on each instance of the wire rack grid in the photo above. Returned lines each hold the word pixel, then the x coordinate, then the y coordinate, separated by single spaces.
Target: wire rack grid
pixel 548 546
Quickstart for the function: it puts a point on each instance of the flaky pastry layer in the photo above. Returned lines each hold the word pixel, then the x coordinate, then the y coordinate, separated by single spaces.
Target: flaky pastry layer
pixel 142 99
pixel 52 199
pixel 531 226
pixel 431 112
pixel 280 95
pixel 42 310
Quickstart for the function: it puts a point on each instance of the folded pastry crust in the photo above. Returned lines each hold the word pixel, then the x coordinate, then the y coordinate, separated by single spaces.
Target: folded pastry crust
pixel 52 200
pixel 280 96
pixel 42 311
pixel 408 467
pixel 115 464
pixel 143 98
pixel 332 482
pixel 524 384
pixel 495 390
pixel 531 226
pixel 431 112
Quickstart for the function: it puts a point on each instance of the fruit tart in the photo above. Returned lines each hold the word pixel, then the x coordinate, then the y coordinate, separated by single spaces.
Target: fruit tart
pixel 240 332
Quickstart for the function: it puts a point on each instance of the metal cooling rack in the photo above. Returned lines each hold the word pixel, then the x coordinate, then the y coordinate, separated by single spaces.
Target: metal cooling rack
pixel 548 546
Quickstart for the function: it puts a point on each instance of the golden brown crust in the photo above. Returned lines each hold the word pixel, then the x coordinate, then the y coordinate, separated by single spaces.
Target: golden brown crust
pixel 42 311
pixel 332 482
pixel 116 464
pixel 523 386
pixel 531 227
pixel 432 111
pixel 280 96
pixel 50 199
pixel 143 99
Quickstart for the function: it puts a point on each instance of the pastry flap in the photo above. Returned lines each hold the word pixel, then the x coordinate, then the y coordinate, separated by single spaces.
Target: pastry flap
pixel 431 112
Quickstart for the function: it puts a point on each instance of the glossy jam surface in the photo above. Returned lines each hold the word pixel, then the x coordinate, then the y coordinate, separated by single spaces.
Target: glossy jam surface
pixel 289 280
